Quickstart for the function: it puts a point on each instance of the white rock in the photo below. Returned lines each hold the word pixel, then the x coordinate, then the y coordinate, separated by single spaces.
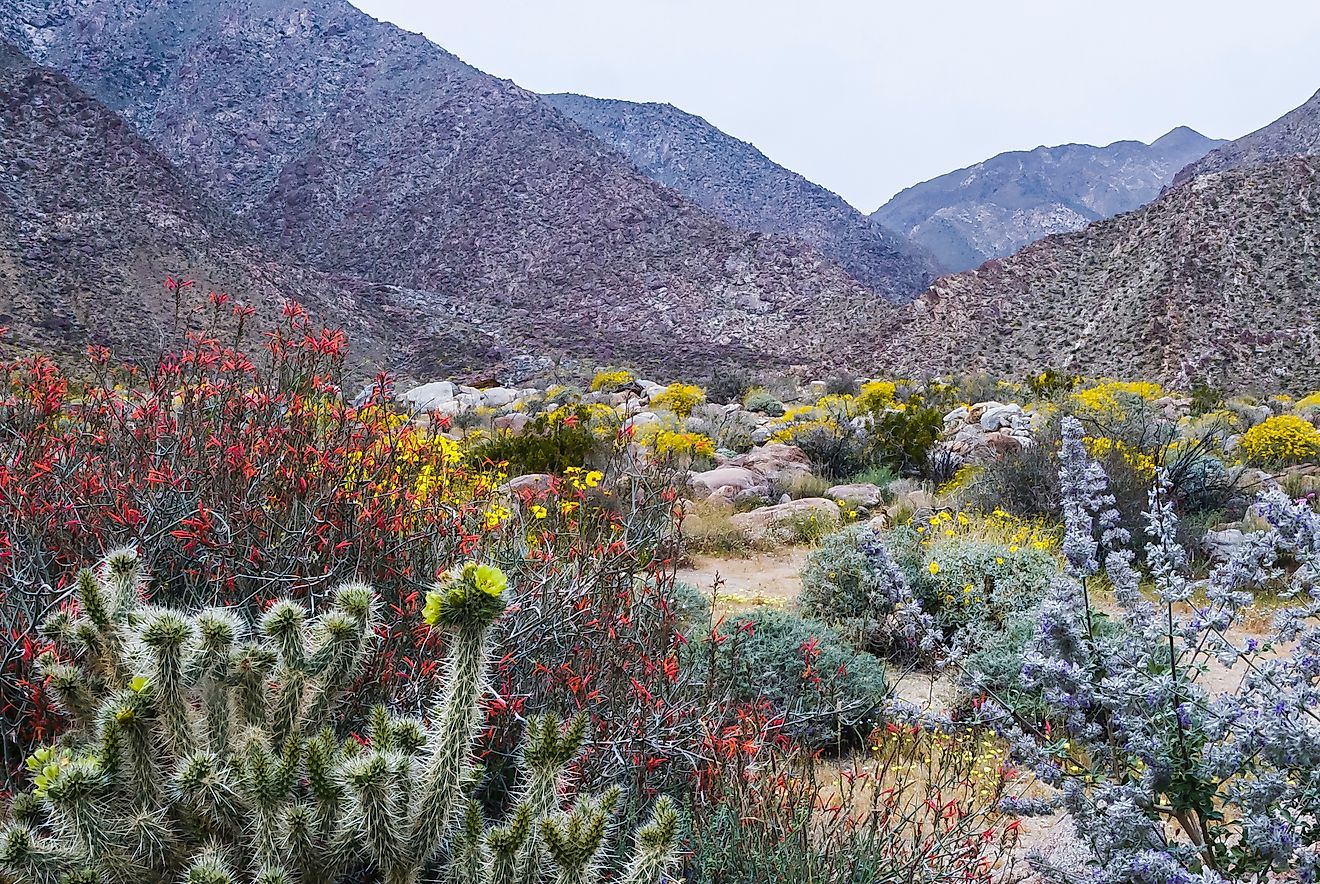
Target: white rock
pixel 858 494
pixel 498 397
pixel 780 522
pixel 428 396
pixel 740 479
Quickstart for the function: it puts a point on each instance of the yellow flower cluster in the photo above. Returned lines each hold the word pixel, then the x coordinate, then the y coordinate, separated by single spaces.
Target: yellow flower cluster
pixel 609 380
pixel 877 396
pixel 1143 464
pixel 680 399
pixel 676 443
pixel 1105 399
pixel 1282 439
pixel 997 526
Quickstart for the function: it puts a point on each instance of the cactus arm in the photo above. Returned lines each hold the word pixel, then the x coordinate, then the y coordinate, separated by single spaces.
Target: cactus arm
pixel 655 847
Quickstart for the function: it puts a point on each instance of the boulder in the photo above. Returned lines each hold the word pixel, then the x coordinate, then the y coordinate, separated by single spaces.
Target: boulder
pixel 1001 443
pixel 512 423
pixel 740 479
pixel 997 417
pixel 776 461
pixel 535 482
pixel 498 397
pixel 641 419
pixel 1222 545
pixel 782 522
pixel 428 396
pixel 862 494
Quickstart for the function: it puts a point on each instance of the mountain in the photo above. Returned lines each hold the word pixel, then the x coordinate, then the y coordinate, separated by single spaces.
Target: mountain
pixel 1296 133
pixel 93 220
pixel 995 207
pixel 366 150
pixel 743 187
pixel 1217 280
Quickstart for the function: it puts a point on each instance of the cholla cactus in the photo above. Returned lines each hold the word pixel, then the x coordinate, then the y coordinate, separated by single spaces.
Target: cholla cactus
pixel 201 751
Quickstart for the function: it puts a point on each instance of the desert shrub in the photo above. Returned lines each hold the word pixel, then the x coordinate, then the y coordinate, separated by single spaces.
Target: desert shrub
pixel 1024 481
pixel 680 399
pixel 902 439
pixel 728 386
pixel 1110 401
pixel 826 692
pixel 1281 440
pixel 1206 770
pixel 551 442
pixel 763 402
pixel 841 385
pixel 612 380
pixel 801 485
pixel 202 750
pixel 876 396
pixel 973 573
pixel 729 430
pixel 880 476
pixel 1205 398
pixel 1052 384
pixel 676 445
pixel 851 583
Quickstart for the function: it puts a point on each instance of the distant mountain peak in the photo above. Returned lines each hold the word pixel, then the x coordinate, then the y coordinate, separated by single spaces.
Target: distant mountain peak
pixel 999 205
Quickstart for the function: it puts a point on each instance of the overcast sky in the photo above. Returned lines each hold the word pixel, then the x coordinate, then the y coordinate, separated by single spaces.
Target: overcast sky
pixel 867 98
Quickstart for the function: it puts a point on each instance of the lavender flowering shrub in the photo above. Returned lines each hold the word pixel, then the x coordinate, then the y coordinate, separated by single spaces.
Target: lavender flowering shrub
pixel 1182 749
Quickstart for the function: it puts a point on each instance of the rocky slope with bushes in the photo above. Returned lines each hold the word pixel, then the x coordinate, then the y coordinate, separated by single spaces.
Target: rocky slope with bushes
pixel 743 187
pixel 93 221
pixel 364 149
pixel 1296 133
pixel 1217 281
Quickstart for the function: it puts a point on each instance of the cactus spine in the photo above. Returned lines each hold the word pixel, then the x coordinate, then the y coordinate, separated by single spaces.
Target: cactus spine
pixel 202 751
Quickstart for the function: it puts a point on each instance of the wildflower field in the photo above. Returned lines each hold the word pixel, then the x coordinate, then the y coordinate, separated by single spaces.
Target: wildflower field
pixel 255 628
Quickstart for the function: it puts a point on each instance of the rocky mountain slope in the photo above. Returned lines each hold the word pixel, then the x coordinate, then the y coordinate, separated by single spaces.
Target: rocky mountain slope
pixel 994 208
pixel 1217 280
pixel 93 220
pixel 743 187
pixel 1296 133
pixel 368 150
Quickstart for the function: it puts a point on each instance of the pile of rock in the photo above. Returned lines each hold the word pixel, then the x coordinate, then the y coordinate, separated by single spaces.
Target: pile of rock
pixel 985 431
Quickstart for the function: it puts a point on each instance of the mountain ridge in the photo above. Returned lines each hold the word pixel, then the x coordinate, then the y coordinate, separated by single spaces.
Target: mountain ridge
pixel 743 187
pixel 362 149
pixel 1217 280
pixel 993 208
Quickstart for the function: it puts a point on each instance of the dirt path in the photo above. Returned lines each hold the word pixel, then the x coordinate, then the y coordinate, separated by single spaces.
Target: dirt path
pixel 768 578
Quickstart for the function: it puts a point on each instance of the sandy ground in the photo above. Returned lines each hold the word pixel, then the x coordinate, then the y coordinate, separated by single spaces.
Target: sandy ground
pixel 768 578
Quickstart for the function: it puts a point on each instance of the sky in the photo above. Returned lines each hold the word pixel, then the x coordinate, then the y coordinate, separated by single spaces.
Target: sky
pixel 867 98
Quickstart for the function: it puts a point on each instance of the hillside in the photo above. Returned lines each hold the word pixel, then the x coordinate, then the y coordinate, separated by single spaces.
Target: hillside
pixel 367 150
pixel 93 220
pixel 1217 280
pixel 996 207
pixel 1296 133
pixel 743 187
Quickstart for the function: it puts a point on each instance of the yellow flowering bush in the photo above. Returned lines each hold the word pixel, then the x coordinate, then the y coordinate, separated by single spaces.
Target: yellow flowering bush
pixel 671 443
pixel 679 399
pixel 1106 400
pixel 1143 464
pixel 611 380
pixel 877 396
pixel 1282 439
